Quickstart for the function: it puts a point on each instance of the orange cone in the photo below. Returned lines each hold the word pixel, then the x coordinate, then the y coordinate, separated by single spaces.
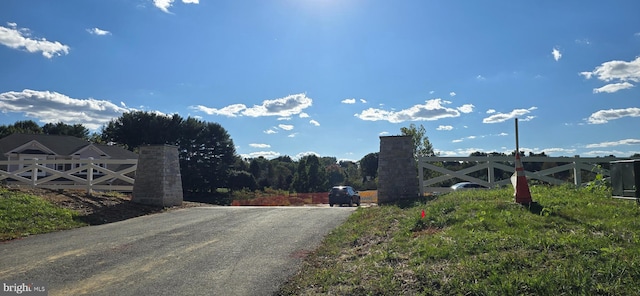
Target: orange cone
pixel 519 181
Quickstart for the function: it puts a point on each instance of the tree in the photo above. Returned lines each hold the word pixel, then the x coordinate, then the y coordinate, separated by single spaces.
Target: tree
pixel 421 144
pixel 206 152
pixel 242 180
pixel 208 157
pixel 134 129
pixel 335 175
pixel 300 179
pixel 310 175
pixel 20 127
pixel 317 181
pixel 369 165
pixel 60 128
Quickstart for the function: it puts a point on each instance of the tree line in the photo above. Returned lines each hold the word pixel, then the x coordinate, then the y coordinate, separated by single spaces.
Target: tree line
pixel 209 162
pixel 208 158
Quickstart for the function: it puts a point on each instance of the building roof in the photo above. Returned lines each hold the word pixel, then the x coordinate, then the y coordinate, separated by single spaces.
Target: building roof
pixel 61 145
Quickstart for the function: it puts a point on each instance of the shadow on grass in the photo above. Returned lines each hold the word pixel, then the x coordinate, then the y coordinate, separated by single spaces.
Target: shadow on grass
pixel 406 203
pixel 534 207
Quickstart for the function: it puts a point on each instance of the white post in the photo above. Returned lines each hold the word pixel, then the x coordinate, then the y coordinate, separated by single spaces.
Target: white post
pixel 90 176
pixel 34 172
pixel 577 174
pixel 490 175
pixel 420 176
pixel 517 143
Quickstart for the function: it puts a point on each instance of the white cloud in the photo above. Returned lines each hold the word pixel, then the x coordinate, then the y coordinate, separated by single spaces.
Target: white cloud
pixel 501 117
pixel 265 154
pixel 383 133
pixel 458 152
pixel 262 146
pixel 503 134
pixel 431 110
pixel 229 111
pixel 603 116
pixel 52 107
pixel 292 135
pixel 284 107
pixel 613 87
pixel 480 77
pixel 466 108
pixel 286 127
pixel 99 32
pixel 284 118
pixel 165 4
pixel 444 128
pixel 556 150
pixel 603 153
pixel 491 111
pixel 314 122
pixel 432 92
pixel 348 101
pixel 615 143
pixel 270 131
pixel 616 70
pixel 304 115
pixel 457 141
pixel 363 101
pixel 453 94
pixel 15 38
pixel 557 55
pixel 303 154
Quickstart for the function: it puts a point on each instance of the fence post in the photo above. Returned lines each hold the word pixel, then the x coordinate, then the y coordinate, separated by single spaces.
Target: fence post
pixel 34 172
pixel 421 177
pixel 90 176
pixel 577 174
pixel 491 178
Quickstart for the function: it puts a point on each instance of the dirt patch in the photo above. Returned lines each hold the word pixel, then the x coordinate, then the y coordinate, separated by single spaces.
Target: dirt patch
pixel 100 207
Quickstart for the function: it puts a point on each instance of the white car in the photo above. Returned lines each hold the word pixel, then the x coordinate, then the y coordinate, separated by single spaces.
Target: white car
pixel 467 185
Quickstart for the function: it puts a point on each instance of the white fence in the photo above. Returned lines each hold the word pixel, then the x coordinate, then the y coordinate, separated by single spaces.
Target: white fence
pixel 492 163
pixel 89 174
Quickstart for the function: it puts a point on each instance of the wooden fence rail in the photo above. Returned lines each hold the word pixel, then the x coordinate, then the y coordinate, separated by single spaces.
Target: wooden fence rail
pixel 492 163
pixel 89 174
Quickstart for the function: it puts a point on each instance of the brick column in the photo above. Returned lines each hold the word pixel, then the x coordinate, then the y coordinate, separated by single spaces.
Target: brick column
pixel 158 181
pixel 397 173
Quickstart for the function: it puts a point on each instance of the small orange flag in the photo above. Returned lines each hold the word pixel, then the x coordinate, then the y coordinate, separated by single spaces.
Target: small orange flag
pixel 422 214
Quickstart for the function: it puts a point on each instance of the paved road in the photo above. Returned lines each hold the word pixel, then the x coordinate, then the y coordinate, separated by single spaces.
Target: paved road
pixel 194 251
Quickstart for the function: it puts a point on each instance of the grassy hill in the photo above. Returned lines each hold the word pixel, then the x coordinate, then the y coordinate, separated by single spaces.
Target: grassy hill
pixel 570 242
pixel 24 214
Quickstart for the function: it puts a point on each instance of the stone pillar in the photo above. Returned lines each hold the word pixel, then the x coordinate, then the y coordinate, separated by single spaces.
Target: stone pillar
pixel 397 169
pixel 158 181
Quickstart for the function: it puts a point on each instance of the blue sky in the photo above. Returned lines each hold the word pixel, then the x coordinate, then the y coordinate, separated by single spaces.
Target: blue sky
pixel 291 77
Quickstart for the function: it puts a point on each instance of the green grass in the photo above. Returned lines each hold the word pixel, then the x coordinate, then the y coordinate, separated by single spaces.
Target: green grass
pixel 570 242
pixel 22 215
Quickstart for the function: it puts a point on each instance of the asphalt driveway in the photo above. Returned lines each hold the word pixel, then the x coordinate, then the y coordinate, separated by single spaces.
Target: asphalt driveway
pixel 194 251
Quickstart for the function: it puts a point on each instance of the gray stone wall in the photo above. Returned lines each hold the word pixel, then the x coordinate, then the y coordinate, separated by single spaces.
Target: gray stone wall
pixel 397 173
pixel 158 181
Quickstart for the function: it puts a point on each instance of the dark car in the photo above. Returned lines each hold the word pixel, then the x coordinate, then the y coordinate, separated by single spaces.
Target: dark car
pixel 467 185
pixel 340 195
